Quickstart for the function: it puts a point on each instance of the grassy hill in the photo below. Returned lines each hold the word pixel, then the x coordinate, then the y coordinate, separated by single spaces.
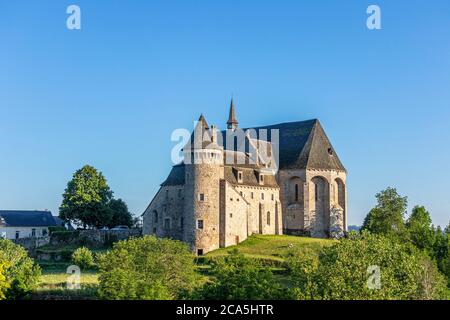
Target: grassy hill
pixel 273 248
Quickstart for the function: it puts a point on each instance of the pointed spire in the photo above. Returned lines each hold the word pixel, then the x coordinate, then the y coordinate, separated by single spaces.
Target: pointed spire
pixel 202 120
pixel 232 123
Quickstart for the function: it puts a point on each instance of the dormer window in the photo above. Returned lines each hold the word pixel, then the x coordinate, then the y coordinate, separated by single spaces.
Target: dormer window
pixel 261 178
pixel 239 176
pixel 330 151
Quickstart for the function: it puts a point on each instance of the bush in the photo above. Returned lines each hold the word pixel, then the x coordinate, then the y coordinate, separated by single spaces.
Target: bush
pixel 239 278
pixel 21 273
pixel 146 268
pixel 52 229
pixel 341 271
pixel 83 258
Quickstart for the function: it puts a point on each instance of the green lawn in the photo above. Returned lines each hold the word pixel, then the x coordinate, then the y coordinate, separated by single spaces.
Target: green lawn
pixel 272 247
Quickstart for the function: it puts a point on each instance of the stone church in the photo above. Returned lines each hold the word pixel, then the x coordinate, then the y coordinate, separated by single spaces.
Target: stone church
pixel 278 179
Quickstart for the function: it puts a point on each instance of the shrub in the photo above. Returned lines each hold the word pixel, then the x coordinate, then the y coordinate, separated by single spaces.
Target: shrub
pixel 341 271
pixel 20 271
pixel 237 277
pixel 52 229
pixel 83 258
pixel 146 268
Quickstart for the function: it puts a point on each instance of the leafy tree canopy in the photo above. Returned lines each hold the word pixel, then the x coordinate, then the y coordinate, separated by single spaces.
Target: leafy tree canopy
pixel 420 229
pixel 89 201
pixel 147 268
pixel 236 277
pixel 20 272
pixel 346 270
pixel 388 216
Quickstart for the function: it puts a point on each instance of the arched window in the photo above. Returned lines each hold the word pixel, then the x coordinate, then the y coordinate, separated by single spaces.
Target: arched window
pixel 296 192
pixel 268 218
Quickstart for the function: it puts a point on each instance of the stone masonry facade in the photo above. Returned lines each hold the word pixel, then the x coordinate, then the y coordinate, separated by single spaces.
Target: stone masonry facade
pixel 210 203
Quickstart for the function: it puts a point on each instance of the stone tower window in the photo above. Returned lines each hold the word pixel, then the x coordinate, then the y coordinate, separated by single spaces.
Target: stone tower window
pixel 199 224
pixel 201 197
pixel 167 194
pixel 262 196
pixel 296 192
pixel 268 218
pixel 316 192
pixel 251 195
pixel 199 252
pixel 261 178
pixel 273 197
pixel 231 215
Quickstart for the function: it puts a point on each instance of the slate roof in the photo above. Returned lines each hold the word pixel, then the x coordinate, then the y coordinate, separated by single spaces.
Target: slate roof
pixel 249 177
pixel 304 145
pixel 176 176
pixel 18 218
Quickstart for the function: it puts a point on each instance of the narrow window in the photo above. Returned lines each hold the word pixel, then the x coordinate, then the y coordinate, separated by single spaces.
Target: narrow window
pixel 167 194
pixel 201 197
pixel 199 252
pixel 316 191
pixel 273 197
pixel 262 196
pixel 199 224
pixel 17 234
pixel 155 216
pixel 251 195
pixel 296 192
pixel 33 232
pixel 167 223
pixel 268 218
pixel 231 215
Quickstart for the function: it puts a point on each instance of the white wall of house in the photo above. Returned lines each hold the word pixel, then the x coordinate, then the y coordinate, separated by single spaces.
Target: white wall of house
pixel 24 232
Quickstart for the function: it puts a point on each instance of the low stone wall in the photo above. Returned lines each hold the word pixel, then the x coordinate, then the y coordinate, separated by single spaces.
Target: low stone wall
pixel 30 244
pixel 94 238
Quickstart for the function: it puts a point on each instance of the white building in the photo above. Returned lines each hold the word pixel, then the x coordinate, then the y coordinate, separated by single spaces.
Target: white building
pixel 15 224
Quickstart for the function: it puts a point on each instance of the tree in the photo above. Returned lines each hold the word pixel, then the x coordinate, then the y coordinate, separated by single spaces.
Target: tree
pixel 86 199
pixel 348 270
pixel 120 214
pixel 420 230
pixel 236 277
pixel 4 285
pixel 20 271
pixel 147 268
pixel 388 215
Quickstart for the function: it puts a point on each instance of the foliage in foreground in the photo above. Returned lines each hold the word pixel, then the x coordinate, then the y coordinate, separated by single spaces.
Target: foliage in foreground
pixel 237 277
pixel 341 271
pixel 19 275
pixel 146 268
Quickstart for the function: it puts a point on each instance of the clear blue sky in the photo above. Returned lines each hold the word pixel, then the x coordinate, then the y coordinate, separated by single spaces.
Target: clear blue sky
pixel 111 93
